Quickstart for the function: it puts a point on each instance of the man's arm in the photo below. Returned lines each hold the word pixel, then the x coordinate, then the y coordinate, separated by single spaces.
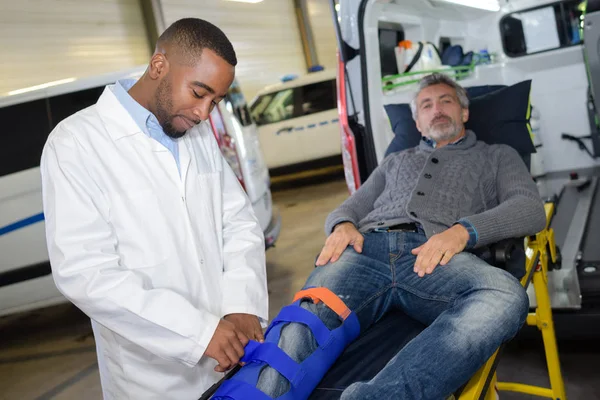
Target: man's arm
pixel 89 272
pixel 244 267
pixel 520 211
pixel 357 206
pixel 341 226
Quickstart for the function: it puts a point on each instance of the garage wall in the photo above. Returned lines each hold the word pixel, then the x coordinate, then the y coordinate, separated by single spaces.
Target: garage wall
pixel 49 40
pixel 44 41
pixel 264 35
pixel 323 31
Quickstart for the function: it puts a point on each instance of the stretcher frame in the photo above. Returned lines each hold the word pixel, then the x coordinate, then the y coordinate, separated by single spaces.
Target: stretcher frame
pixel 540 249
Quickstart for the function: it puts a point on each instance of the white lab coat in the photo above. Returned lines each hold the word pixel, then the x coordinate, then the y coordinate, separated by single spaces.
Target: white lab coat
pixel 154 259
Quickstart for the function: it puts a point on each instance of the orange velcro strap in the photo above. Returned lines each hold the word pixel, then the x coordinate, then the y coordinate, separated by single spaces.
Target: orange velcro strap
pixel 329 298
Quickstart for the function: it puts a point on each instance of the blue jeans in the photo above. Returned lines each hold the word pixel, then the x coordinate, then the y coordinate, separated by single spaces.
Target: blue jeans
pixel 469 307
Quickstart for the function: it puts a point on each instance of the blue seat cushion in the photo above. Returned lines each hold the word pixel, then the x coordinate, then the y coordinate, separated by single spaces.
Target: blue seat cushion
pixel 497 114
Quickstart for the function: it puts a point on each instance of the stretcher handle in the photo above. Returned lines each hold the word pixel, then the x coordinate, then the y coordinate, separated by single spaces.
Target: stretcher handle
pixel 211 390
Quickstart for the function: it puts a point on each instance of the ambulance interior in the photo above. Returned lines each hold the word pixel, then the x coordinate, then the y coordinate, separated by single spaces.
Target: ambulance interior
pixel 503 44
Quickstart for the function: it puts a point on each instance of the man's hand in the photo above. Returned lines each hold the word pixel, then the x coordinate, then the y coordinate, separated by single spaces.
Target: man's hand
pixel 440 249
pixel 226 345
pixel 248 324
pixel 343 234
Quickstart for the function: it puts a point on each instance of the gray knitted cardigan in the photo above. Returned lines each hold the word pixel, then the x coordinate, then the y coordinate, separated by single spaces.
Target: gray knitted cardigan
pixel 487 186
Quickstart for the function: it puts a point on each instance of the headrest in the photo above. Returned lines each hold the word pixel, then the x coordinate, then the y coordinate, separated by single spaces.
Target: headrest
pixel 497 115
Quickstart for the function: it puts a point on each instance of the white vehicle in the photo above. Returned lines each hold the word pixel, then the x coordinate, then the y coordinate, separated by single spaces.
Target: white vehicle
pixel 298 122
pixel 514 41
pixel 28 116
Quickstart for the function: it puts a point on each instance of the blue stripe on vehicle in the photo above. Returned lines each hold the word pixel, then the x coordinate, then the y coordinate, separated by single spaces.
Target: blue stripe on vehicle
pixel 311 126
pixel 22 223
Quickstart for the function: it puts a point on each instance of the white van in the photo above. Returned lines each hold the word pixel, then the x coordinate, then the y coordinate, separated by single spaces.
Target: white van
pixel 517 40
pixel 298 123
pixel 28 115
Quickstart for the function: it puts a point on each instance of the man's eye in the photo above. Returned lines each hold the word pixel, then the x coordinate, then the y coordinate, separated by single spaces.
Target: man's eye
pixel 427 106
pixel 196 95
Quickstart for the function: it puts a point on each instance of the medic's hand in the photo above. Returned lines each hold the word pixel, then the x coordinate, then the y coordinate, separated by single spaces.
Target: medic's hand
pixel 343 234
pixel 248 324
pixel 226 345
pixel 440 249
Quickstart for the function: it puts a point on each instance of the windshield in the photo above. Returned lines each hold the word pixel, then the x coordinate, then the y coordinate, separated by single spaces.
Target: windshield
pixel 273 107
pixel 238 104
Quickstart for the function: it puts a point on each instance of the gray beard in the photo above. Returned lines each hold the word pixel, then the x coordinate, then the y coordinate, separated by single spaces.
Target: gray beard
pixel 446 132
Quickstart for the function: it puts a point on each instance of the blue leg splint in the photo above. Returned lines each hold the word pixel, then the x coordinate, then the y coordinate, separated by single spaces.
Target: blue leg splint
pixel 303 377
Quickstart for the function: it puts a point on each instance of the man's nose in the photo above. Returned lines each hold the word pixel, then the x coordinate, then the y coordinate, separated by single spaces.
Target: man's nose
pixel 202 111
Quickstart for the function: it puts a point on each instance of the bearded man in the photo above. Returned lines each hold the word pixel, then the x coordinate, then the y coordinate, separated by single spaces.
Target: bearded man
pixel 404 241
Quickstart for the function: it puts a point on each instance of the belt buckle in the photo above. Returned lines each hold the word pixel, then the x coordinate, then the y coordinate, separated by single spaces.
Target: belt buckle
pixel 381 230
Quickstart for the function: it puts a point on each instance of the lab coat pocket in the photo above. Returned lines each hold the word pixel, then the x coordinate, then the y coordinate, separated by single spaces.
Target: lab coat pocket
pixel 141 225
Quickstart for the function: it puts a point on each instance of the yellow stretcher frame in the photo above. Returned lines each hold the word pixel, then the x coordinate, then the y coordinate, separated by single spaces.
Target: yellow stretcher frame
pixel 481 385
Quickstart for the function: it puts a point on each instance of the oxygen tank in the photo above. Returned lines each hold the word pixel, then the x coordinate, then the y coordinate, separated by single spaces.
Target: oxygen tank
pixel 404 55
pixel 399 50
pixel 430 58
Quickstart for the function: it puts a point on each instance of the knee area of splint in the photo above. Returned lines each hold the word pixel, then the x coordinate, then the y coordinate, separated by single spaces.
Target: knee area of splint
pixel 303 377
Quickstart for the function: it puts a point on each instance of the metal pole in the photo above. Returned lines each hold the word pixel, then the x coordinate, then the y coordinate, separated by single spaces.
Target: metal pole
pixel 154 21
pixel 306 35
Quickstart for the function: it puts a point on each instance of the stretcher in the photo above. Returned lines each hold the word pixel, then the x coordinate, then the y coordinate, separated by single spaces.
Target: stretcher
pixel 363 358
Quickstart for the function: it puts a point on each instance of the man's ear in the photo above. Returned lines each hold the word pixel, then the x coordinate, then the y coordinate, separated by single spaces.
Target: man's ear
pixel 159 66
pixel 465 115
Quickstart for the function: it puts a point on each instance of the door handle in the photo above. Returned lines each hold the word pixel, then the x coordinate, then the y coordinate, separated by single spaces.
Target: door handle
pixel 283 130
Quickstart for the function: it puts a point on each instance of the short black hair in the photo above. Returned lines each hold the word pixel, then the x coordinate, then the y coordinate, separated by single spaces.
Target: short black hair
pixel 192 35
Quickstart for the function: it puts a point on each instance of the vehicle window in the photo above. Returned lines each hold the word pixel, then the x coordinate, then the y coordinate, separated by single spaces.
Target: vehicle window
pixel 543 28
pixel 389 37
pixel 243 115
pixel 274 107
pixel 238 104
pixel 68 104
pixel 24 130
pixel 318 97
pixel 259 105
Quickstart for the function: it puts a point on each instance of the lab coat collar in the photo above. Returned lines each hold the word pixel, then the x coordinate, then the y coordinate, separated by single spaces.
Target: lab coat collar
pixel 119 124
pixel 118 121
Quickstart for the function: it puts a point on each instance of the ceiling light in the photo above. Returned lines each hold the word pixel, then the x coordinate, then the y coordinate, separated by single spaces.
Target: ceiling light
pixel 42 86
pixel 246 1
pixel 489 5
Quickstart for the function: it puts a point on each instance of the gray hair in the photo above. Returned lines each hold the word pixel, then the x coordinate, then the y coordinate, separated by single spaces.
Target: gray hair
pixel 437 79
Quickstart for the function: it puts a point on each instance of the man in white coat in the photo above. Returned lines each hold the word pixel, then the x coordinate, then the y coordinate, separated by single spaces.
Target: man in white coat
pixel 149 231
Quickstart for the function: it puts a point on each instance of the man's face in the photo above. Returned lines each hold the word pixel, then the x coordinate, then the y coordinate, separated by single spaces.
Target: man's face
pixel 439 113
pixel 187 94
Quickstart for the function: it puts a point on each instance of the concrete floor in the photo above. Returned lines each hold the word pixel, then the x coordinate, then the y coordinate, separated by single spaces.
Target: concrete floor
pixel 50 353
